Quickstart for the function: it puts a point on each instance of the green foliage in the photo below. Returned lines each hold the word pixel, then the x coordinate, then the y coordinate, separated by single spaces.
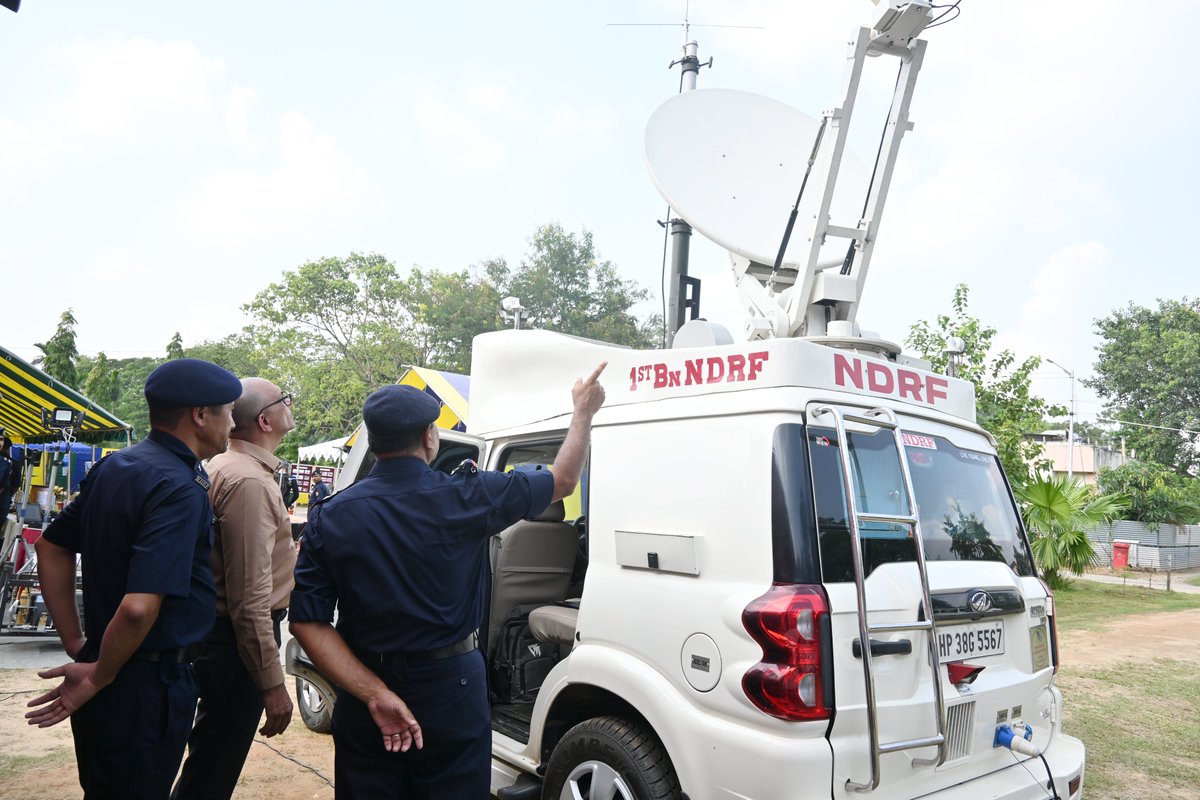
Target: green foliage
pixel 350 312
pixel 450 309
pixel 334 329
pixel 1156 493
pixel 103 383
pixel 567 289
pixel 131 399
pixel 1004 405
pixel 59 353
pixel 1057 513
pixel 175 347
pixel 1148 371
pixel 239 353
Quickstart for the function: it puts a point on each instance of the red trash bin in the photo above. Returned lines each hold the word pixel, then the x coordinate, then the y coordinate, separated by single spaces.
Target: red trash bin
pixel 1120 559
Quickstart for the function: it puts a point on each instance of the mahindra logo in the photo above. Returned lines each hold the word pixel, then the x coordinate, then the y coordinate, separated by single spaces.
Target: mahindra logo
pixel 980 602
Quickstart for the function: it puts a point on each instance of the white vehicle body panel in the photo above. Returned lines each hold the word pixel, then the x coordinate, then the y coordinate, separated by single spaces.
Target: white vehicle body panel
pixel 687 470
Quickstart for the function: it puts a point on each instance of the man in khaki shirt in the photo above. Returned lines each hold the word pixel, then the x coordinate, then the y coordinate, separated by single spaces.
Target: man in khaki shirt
pixel 253 558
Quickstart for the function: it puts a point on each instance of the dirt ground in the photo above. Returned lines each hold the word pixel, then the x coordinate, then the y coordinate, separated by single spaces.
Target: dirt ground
pixel 296 764
pixel 291 766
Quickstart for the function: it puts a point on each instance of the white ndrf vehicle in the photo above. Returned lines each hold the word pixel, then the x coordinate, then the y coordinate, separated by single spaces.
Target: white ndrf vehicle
pixel 794 567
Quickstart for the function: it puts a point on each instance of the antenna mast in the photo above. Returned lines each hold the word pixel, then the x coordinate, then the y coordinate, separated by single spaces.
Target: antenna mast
pixel 683 291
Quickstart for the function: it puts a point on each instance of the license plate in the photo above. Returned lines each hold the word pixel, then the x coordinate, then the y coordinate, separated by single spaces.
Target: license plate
pixel 959 642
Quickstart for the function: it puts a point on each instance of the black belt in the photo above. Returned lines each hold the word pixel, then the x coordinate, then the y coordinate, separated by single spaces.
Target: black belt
pixel 278 614
pixel 449 651
pixel 180 655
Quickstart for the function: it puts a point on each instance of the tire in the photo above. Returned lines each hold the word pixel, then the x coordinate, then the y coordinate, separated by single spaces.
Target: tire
pixel 315 708
pixel 609 758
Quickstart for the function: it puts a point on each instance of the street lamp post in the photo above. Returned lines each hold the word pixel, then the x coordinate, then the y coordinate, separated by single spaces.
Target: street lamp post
pixel 1070 422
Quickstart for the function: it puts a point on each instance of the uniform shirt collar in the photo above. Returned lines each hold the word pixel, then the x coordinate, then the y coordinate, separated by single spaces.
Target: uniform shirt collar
pixel 400 465
pixel 268 459
pixel 173 444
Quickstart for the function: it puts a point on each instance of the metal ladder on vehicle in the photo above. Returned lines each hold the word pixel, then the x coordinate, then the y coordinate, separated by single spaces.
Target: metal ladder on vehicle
pixel 884 418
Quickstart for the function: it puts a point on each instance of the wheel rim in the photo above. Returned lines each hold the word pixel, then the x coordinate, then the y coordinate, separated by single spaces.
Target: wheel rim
pixel 595 780
pixel 313 698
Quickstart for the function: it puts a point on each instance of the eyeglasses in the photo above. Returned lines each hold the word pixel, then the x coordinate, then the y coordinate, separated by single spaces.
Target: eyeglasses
pixel 286 400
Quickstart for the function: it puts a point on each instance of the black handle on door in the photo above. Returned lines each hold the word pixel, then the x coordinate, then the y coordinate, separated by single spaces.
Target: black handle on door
pixel 901 647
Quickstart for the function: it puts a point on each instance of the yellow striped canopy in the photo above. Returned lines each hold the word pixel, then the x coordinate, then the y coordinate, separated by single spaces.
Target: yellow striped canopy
pixel 450 389
pixel 27 390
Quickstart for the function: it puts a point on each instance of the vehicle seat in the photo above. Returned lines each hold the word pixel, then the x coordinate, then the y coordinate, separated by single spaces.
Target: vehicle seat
pixel 533 561
pixel 554 624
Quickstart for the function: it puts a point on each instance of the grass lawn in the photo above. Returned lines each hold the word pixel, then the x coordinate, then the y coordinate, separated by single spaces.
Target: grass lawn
pixel 1141 724
pixel 1194 581
pixel 1140 720
pixel 1087 605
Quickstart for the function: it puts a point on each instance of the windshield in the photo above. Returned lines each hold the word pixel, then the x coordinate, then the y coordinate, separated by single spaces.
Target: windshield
pixel 964 506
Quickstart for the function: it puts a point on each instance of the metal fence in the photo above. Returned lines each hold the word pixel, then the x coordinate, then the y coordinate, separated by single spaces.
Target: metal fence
pixel 1165 547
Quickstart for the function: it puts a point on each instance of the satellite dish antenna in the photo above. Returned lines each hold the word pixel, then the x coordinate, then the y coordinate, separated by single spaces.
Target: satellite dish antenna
pixel 731 164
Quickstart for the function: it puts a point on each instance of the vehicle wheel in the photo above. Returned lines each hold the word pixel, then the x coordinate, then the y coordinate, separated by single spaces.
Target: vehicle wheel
pixel 608 758
pixel 315 708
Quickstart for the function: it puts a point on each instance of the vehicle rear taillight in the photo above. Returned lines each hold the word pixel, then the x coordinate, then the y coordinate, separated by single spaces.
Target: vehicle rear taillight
pixel 1053 625
pixel 787 622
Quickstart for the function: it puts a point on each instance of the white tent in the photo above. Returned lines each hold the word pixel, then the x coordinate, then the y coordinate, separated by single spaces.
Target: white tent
pixel 331 449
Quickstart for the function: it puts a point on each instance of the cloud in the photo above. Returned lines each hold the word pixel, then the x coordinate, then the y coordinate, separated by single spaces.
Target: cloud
pixel 568 120
pixel 124 84
pixel 237 111
pixel 24 148
pixel 314 182
pixel 456 138
pixel 1055 321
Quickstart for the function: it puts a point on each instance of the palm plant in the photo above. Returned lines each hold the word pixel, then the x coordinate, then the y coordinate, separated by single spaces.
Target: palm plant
pixel 1057 512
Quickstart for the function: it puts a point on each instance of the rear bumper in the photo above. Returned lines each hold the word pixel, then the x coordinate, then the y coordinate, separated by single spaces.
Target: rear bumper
pixel 1065 756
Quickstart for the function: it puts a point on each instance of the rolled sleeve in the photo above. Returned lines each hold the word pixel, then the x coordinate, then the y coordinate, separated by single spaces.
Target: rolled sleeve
pixel 247 533
pixel 314 597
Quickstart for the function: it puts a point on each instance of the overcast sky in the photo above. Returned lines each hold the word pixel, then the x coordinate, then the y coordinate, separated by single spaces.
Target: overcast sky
pixel 161 163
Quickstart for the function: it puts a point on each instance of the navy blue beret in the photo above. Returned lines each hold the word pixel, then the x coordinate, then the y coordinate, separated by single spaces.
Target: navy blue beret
pixel 398 409
pixel 189 382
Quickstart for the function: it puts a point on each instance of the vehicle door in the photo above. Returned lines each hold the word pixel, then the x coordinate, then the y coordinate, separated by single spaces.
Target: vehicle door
pixel 456 446
pixel 991 635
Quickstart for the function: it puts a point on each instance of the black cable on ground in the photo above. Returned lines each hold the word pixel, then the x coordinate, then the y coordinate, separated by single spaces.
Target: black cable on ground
pixel 282 754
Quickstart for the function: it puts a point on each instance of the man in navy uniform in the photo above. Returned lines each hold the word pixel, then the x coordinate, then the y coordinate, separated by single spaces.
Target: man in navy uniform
pixel 402 554
pixel 142 524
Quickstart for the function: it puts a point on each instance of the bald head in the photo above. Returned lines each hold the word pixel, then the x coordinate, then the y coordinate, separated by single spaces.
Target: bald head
pixel 263 414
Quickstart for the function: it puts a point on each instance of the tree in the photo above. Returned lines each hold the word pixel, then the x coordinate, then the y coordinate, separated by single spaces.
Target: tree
pixel 175 347
pixel 1004 405
pixel 131 399
pixel 347 310
pixel 1156 494
pixel 239 353
pixel 567 289
pixel 103 383
pixel 1148 371
pixel 59 353
pixel 449 310
pixel 1057 513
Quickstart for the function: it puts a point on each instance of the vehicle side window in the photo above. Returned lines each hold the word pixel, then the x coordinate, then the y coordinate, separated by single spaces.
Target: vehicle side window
pixel 449 456
pixel 538 456
pixel 878 481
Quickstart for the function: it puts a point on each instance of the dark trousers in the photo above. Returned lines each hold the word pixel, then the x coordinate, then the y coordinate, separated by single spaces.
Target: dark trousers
pixel 129 738
pixel 449 699
pixel 231 706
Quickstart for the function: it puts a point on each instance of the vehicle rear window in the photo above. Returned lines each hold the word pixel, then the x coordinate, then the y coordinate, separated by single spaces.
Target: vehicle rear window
pixel 965 508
